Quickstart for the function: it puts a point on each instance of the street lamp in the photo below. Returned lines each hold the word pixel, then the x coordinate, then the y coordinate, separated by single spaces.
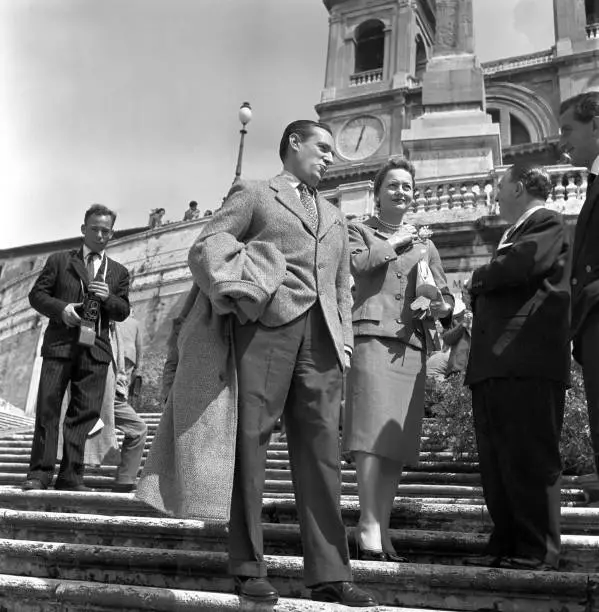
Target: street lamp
pixel 245 116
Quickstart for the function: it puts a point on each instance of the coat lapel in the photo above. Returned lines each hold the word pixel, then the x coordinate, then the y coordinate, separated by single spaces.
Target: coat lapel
pixel 287 196
pixel 76 263
pixel 327 215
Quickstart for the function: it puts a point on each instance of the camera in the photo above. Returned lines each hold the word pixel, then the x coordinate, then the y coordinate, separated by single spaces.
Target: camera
pixel 89 311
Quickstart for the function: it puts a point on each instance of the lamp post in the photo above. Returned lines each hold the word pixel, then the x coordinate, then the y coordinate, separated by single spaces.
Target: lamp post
pixel 245 116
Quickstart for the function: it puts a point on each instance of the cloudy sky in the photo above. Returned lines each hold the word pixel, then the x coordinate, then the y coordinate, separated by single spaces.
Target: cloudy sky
pixel 133 103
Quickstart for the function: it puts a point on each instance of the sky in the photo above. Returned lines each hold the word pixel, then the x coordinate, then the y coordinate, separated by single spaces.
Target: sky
pixel 133 103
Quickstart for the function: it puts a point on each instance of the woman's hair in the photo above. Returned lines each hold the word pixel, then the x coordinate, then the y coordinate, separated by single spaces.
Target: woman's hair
pixel 392 164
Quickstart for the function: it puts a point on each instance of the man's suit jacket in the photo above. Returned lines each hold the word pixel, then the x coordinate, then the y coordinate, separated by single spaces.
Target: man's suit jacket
pixel 585 261
pixel 59 284
pixel 521 303
pixel 317 262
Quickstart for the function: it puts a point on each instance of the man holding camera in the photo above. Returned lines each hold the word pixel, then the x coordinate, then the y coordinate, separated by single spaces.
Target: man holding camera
pixel 81 291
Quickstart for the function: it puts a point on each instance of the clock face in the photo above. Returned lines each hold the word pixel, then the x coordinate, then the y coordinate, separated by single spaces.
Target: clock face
pixel 360 137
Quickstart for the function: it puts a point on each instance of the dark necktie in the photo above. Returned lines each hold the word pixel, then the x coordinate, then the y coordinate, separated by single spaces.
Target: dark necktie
pixel 90 266
pixel 591 180
pixel 309 203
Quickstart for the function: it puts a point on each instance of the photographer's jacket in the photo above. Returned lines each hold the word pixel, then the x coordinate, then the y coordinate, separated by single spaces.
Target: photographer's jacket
pixel 63 281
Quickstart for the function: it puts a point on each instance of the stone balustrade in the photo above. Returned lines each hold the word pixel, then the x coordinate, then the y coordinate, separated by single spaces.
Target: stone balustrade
pixel 366 77
pixel 468 198
pixel 522 61
pixel 593 31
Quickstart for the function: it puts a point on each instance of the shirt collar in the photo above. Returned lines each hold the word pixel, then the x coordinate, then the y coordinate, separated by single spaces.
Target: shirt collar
pixel 523 217
pixel 595 166
pixel 87 251
pixel 291 178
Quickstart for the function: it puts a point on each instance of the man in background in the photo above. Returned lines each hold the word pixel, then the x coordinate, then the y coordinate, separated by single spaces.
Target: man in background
pixel 80 291
pixel 518 370
pixel 579 118
pixel 192 213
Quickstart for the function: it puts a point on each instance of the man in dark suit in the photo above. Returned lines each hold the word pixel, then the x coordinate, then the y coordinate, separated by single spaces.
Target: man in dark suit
pixel 290 361
pixel 518 371
pixel 580 142
pixel 75 352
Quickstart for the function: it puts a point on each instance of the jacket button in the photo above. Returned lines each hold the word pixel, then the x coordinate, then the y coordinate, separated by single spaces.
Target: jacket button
pixel 398 320
pixel 399 275
pixel 574 281
pixel 588 268
pixel 398 296
pixel 386 257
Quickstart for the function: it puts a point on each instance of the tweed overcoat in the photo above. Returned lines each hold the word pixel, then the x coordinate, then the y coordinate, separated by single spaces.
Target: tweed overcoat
pixel 189 470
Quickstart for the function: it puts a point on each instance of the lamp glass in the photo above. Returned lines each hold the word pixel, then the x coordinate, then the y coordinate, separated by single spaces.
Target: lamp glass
pixel 245 114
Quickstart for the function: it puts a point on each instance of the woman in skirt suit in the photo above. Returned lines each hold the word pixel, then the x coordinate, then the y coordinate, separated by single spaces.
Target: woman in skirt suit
pixel 392 336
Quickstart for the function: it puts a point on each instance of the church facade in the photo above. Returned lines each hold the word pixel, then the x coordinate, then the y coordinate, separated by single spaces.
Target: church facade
pixel 379 55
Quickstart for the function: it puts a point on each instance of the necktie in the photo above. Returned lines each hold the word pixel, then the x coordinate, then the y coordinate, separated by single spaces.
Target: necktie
pixel 91 274
pixel 307 199
pixel 591 180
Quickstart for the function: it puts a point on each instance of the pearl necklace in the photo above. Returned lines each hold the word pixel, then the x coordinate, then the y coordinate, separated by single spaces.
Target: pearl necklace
pixel 392 227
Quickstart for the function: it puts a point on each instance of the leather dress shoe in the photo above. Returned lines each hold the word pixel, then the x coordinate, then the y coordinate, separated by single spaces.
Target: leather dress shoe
pixel 79 488
pixel 121 487
pixel 526 563
pixel 483 561
pixel 256 589
pixel 33 484
pixel 345 593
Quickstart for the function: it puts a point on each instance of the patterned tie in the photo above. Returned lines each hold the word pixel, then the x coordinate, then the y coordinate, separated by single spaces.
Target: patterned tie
pixel 91 274
pixel 309 203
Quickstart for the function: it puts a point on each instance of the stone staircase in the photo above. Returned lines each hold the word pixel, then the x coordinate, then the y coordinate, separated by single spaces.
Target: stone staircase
pixel 65 551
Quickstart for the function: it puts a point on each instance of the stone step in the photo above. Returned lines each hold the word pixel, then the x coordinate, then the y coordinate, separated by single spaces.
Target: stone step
pixel 469 467
pixel 417 489
pixel 403 584
pixel 408 513
pixel 579 552
pixel 348 474
pixel 27 594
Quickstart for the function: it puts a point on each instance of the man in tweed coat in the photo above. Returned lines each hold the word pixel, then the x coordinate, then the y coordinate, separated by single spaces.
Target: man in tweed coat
pixel 290 362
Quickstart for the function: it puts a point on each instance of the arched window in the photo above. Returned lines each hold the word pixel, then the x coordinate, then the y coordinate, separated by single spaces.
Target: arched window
pixel 519 132
pixel 370 46
pixel 421 57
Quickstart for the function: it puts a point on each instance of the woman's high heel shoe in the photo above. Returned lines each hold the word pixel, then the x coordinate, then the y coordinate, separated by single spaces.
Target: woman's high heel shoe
pixel 395 558
pixel 364 554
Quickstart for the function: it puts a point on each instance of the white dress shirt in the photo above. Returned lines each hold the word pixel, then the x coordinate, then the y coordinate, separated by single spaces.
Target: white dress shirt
pixel 97 260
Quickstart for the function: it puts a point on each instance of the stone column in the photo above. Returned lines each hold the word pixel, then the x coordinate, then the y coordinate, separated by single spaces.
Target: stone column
pixel 405 43
pixel 570 22
pixel 455 136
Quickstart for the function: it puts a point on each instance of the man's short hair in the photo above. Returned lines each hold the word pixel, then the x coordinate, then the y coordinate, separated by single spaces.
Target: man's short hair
pixel 534 178
pixel 395 163
pixel 586 106
pixel 99 209
pixel 304 129
pixel 193 204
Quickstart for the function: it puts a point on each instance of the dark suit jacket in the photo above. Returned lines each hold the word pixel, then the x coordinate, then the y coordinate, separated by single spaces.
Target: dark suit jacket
pixel 521 302
pixel 385 285
pixel 317 262
pixel 585 262
pixel 59 284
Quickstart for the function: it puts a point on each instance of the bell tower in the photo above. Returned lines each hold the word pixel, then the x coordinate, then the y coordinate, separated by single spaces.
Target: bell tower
pixel 377 54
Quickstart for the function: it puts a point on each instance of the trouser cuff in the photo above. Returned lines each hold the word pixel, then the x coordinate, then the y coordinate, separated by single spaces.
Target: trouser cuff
pixel 251 569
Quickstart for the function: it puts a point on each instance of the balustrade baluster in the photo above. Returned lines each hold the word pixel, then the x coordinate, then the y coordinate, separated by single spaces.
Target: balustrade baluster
pixel 559 197
pixel 444 197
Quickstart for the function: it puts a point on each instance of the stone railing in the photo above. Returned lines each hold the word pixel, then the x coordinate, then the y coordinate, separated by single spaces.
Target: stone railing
pixel 522 61
pixel 468 198
pixel 366 77
pixel 593 31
